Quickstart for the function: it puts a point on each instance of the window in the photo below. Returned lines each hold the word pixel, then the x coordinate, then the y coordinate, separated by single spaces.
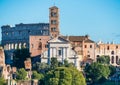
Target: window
pixel 90 46
pixel 53 14
pixel 112 61
pixel 88 55
pixel 98 56
pixel 53 29
pixel 53 22
pixel 116 47
pixel 32 45
pixel 112 52
pixel 85 46
pixel 107 47
pixel 59 52
pixel 46 46
pixel 6 33
pixel 117 60
pixel 40 46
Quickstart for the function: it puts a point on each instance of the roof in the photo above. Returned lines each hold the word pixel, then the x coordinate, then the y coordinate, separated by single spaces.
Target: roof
pixel 78 39
pixel 53 7
pixel 57 39
pixel 89 41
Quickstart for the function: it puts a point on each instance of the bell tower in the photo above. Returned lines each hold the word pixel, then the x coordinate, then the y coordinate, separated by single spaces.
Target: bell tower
pixel 54 21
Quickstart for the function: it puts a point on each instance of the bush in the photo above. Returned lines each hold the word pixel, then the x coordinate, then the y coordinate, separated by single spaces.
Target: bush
pixel 21 74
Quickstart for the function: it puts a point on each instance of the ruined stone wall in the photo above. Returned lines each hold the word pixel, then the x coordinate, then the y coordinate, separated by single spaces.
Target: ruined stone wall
pixel 2 57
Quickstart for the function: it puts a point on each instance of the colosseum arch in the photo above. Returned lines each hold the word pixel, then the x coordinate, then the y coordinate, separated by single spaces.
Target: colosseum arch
pixel 20 45
pixel 9 46
pixel 16 46
pixel 24 45
pixel 12 46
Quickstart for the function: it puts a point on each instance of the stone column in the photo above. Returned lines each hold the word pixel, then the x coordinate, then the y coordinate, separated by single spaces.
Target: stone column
pixel 49 55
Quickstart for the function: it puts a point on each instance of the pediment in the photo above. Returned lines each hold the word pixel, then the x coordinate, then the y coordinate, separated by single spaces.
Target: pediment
pixel 58 40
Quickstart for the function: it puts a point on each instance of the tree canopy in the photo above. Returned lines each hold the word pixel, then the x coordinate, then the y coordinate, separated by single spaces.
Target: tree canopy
pixel 41 67
pixel 64 76
pixel 36 75
pixel 54 63
pixel 103 59
pixel 96 71
pixel 21 74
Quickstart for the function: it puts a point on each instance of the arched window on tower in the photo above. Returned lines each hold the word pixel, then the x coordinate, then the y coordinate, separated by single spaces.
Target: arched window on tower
pixel 53 14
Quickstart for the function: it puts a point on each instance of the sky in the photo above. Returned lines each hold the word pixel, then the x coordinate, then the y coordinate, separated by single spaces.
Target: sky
pixel 100 19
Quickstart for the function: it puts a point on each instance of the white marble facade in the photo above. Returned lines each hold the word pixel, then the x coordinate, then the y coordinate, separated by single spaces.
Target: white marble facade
pixel 61 49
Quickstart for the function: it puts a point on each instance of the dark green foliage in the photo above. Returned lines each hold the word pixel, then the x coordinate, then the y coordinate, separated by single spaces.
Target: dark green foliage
pixel 60 64
pixel 21 74
pixel 20 56
pixel 36 75
pixel 96 71
pixel 41 67
pixel 66 64
pixel 103 59
pixel 64 76
pixel 112 70
pixel 54 63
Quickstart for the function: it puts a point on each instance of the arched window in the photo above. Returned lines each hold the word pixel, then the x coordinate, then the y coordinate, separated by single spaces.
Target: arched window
pixel 107 47
pixel 116 59
pixel 112 59
pixel 16 46
pixel 40 46
pixel 98 56
pixel 19 45
pixel 9 47
pixel 24 45
pixel 12 46
pixel 112 52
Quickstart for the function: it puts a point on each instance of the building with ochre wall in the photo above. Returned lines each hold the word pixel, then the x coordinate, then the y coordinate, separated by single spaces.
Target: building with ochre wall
pixel 110 49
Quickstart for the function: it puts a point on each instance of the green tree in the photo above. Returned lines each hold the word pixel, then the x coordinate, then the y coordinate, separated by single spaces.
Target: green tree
pixel 77 77
pixel 36 75
pixel 41 67
pixel 2 81
pixel 112 70
pixel 103 59
pixel 96 71
pixel 54 63
pixel 64 76
pixel 20 55
pixel 21 74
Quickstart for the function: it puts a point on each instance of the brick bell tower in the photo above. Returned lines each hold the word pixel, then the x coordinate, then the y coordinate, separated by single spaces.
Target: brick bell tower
pixel 54 21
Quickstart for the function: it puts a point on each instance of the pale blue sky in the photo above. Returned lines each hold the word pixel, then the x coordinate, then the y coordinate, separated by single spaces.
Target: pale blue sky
pixel 98 18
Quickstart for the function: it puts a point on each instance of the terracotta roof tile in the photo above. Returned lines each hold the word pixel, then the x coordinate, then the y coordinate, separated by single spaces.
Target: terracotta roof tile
pixel 77 38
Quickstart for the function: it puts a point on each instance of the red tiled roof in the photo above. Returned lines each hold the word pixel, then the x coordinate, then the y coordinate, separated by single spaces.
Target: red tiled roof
pixel 77 38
